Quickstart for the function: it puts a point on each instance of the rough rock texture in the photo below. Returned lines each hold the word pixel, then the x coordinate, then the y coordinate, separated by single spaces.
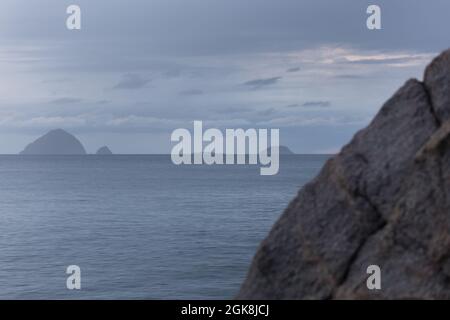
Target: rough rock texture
pixel 55 142
pixel 384 200
pixel 104 151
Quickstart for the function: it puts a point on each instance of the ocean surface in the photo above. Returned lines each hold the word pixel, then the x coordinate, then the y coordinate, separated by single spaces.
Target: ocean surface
pixel 139 227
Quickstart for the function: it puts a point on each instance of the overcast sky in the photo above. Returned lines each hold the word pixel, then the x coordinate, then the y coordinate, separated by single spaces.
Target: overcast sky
pixel 139 69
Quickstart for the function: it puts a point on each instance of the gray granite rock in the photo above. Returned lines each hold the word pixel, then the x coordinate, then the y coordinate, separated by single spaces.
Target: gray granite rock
pixel 383 200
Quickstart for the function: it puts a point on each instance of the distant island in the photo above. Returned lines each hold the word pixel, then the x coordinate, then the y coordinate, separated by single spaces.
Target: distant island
pixel 282 150
pixel 60 142
pixel 104 151
pixel 55 142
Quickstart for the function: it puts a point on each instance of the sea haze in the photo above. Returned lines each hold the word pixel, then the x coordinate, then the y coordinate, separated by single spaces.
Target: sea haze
pixel 138 226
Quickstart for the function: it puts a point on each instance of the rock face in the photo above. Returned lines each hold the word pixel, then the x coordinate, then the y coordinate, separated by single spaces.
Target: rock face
pixel 383 200
pixel 104 151
pixel 55 142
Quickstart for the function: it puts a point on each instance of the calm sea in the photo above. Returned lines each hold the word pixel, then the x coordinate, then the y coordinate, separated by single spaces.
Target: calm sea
pixel 139 227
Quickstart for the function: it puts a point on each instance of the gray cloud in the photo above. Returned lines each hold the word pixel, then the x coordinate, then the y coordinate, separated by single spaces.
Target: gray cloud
pixel 66 100
pixel 191 92
pixel 267 112
pixel 59 80
pixel 268 24
pixel 350 76
pixel 295 69
pixel 310 104
pixel 131 81
pixel 384 61
pixel 103 101
pixel 230 110
pixel 320 104
pixel 259 83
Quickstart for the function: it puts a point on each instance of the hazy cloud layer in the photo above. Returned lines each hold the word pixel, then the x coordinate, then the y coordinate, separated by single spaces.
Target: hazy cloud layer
pixel 191 92
pixel 131 81
pixel 294 69
pixel 66 100
pixel 320 104
pixel 142 68
pixel 259 83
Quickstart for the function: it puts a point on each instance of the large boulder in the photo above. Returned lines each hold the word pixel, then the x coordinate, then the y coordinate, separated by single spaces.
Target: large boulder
pixel 383 200
pixel 55 142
